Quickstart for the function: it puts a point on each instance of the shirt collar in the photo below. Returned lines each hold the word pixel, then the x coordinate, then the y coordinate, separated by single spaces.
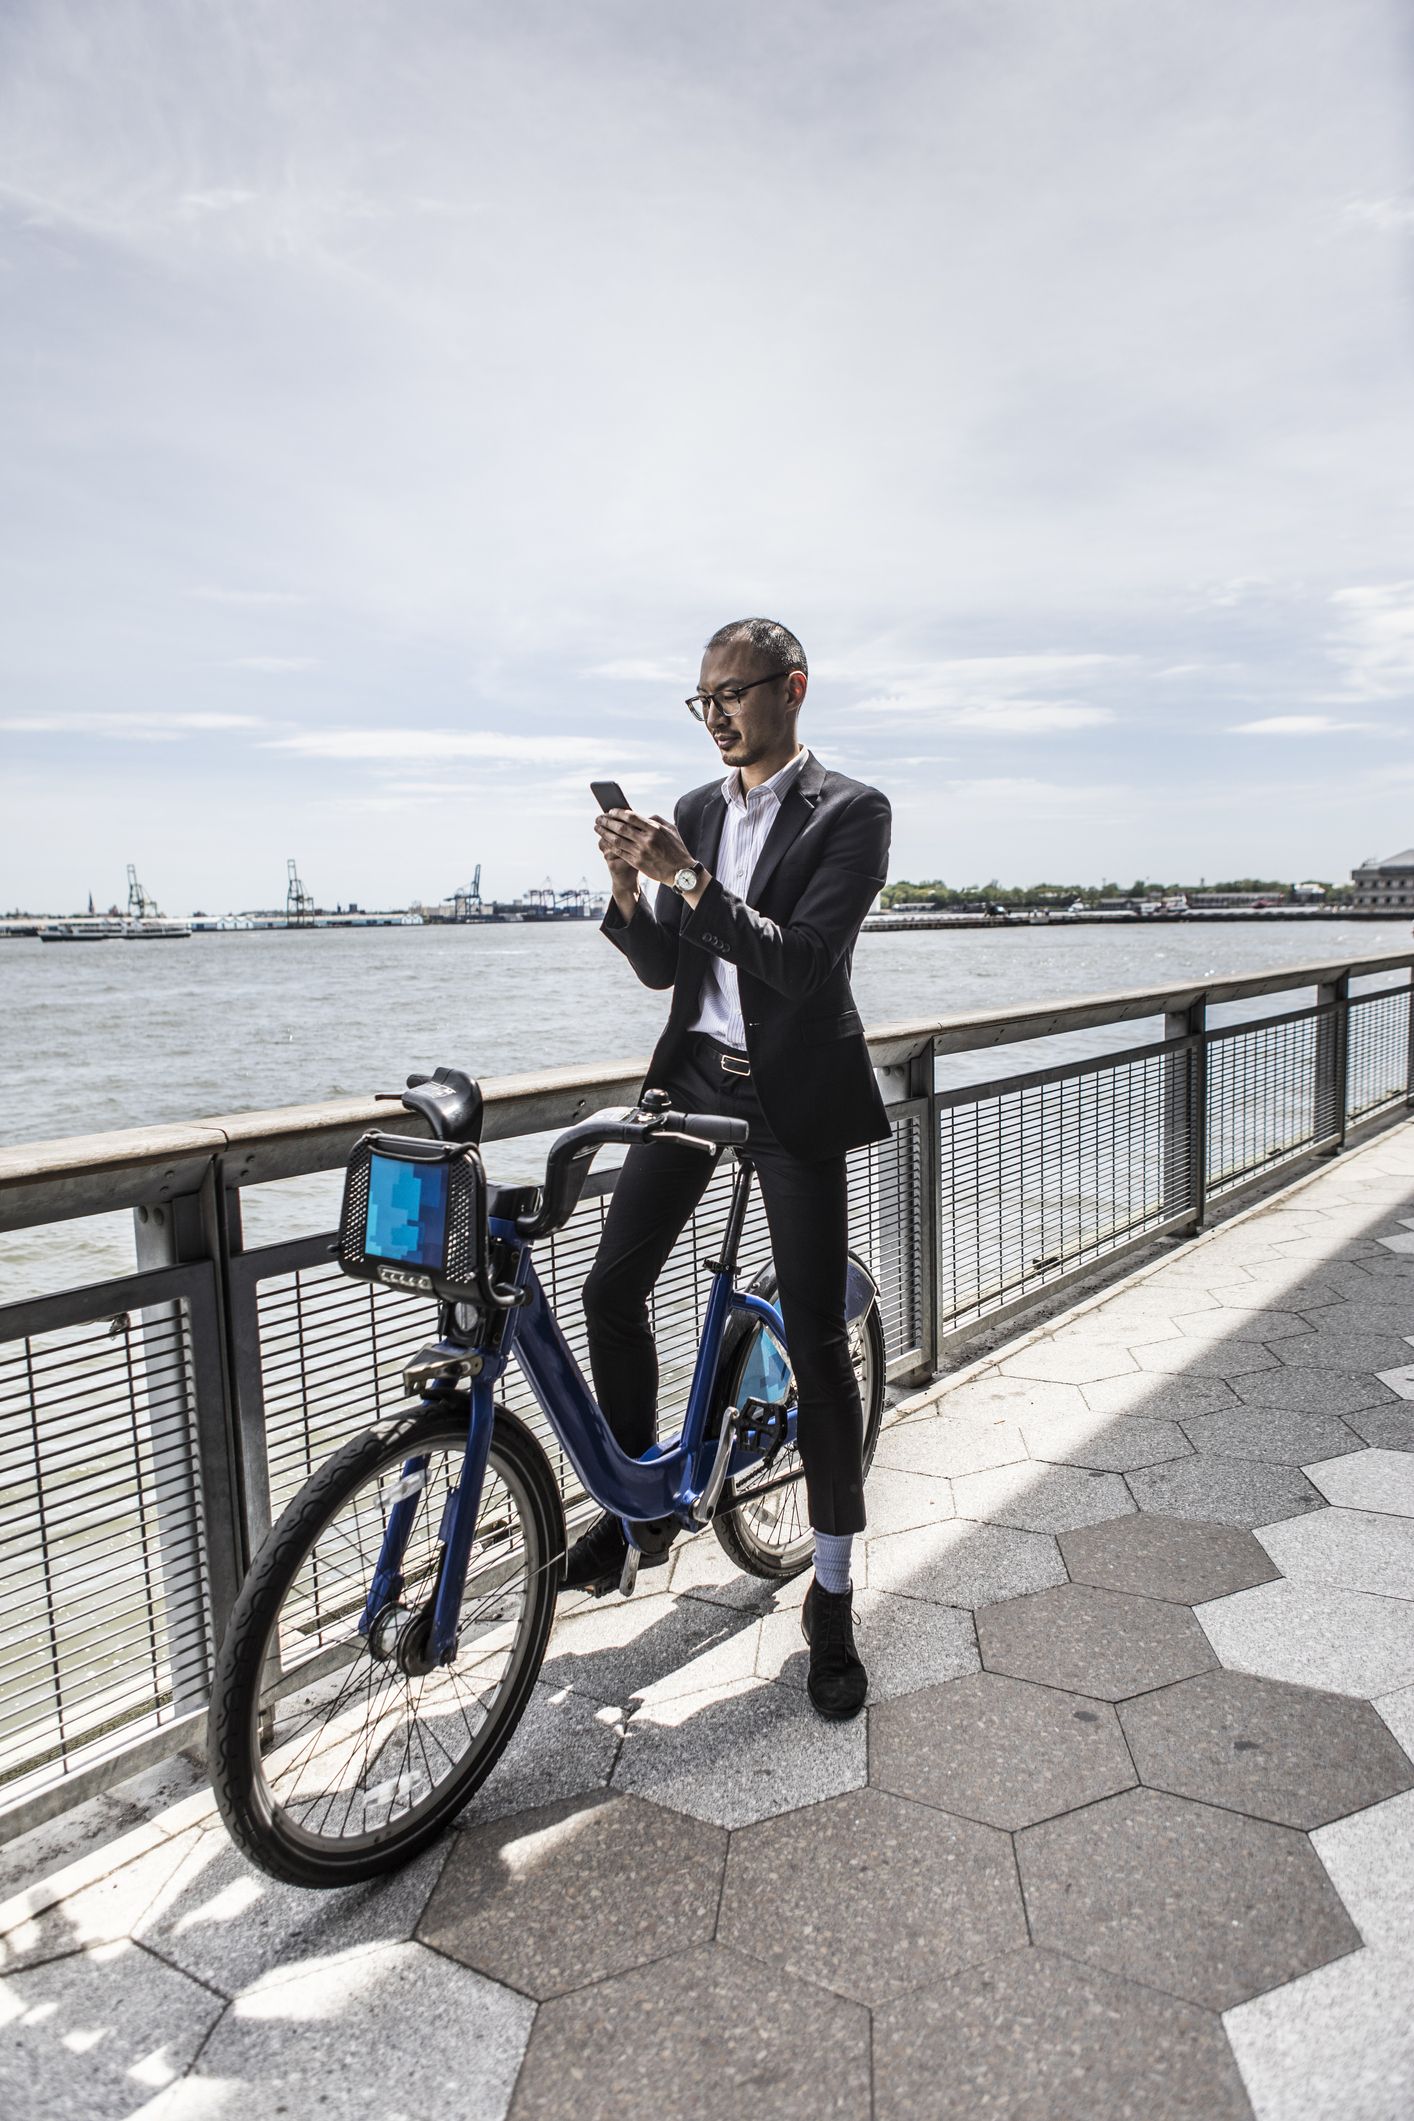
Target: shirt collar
pixel 776 786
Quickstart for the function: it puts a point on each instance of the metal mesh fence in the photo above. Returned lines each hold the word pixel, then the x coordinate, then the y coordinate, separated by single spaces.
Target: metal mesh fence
pixel 1378 1057
pixel 1049 1172
pixel 104 1628
pixel 1271 1093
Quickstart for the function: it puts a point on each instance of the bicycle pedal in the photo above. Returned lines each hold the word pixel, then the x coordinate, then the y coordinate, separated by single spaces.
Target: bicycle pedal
pixel 628 1576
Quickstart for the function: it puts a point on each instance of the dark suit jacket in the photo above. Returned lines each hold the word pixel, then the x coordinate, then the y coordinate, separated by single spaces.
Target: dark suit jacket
pixel 791 939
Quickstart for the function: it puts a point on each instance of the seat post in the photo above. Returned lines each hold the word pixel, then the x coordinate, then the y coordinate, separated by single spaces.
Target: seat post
pixel 736 1214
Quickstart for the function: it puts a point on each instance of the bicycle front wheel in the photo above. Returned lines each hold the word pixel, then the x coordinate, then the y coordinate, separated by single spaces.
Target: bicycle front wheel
pixel 333 1757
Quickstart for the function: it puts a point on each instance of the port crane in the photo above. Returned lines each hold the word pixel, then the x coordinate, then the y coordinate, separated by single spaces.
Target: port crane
pixel 140 906
pixel 299 906
pixel 466 905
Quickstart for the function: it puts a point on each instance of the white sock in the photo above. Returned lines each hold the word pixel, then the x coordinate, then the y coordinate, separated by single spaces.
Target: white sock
pixel 832 1550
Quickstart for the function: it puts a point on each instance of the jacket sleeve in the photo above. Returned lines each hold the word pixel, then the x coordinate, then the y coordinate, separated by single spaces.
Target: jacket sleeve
pixel 650 940
pixel 799 955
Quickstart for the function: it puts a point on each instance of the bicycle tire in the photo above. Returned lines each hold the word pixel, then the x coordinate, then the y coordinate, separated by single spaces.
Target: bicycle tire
pixel 255 1824
pixel 733 1527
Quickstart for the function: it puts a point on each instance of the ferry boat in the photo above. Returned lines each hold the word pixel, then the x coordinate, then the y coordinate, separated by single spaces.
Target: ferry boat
pixel 154 931
pixel 81 931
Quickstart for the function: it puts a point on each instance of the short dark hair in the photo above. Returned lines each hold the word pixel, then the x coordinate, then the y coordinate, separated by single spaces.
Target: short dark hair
pixel 774 641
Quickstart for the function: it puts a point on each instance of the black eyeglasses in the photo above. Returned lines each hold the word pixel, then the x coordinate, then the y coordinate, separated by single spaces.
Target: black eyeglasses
pixel 729 698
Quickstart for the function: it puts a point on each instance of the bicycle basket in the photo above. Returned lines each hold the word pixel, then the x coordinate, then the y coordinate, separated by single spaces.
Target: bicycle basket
pixel 414 1216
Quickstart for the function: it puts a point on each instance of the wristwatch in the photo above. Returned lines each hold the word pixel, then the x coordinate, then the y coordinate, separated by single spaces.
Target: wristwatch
pixel 686 879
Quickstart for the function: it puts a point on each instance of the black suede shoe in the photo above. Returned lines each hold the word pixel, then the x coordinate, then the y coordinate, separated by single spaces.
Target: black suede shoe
pixel 838 1681
pixel 595 1561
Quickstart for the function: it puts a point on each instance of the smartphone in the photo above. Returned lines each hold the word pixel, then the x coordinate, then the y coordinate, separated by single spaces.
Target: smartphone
pixel 609 796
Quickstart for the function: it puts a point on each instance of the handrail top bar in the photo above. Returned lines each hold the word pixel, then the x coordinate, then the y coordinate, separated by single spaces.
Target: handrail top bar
pixel 52 1180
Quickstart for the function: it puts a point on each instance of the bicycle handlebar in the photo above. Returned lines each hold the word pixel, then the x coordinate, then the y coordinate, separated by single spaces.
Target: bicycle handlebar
pixel 571 1154
pixel 706 1126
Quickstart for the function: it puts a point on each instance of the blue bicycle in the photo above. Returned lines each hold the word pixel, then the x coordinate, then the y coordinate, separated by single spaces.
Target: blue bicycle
pixel 387 1638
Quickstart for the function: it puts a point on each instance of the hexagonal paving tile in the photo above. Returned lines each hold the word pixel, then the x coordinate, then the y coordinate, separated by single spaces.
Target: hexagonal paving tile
pixel 1104 1445
pixel 1243 1322
pixel 96 2032
pixel 1242 1491
pixel 1355 1550
pixel 1362 1315
pixel 1343 1641
pixel 1370 1857
pixel 1199 1902
pixel 873 1895
pixel 906 1643
pixel 740 1753
pixel 1062 1361
pixel 1190 1358
pixel 1271 1435
pixel 1338 2045
pixel 551 1899
pixel 992 1397
pixel 1390 1427
pixel 897 1502
pixel 1367 1480
pixel 564 1744
pixel 1034 2037
pixel 1166 1557
pixel 697 2037
pixel 1155 1398
pixel 945 1444
pixel 618 1649
pixel 1285 1753
pixel 964 1564
pixel 1109 1644
pixel 1117 1325
pixel 1354 1354
pixel 1000 1750
pixel 1313 1391
pixel 1041 1498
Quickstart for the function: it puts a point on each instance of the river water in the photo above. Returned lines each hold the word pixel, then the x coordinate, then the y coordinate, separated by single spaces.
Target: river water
pixel 98 1036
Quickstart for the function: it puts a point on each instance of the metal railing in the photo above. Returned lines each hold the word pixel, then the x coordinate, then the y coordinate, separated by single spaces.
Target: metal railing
pixel 152 1426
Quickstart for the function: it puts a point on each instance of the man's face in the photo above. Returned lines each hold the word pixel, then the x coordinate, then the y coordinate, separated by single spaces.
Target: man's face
pixel 763 719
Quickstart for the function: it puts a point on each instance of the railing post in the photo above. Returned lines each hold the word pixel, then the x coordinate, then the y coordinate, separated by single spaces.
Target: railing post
pixel 1328 1117
pixel 1409 1045
pixel 912 1081
pixel 1185 1117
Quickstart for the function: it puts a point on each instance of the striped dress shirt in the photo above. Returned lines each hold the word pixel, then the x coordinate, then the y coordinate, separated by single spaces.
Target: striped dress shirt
pixel 749 818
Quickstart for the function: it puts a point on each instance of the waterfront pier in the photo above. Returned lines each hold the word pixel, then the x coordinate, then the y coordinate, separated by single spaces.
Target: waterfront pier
pixel 1129 1824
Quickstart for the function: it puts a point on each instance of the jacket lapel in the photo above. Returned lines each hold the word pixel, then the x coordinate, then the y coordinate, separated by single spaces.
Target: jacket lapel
pixel 795 813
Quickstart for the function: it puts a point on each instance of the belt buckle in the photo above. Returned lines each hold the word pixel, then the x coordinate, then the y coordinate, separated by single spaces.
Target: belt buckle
pixel 732 1066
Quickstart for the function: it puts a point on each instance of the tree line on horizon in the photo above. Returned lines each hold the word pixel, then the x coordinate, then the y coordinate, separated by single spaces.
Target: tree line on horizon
pixel 937 893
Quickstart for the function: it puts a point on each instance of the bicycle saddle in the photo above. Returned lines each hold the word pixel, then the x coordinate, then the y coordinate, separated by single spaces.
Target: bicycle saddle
pixel 449 1101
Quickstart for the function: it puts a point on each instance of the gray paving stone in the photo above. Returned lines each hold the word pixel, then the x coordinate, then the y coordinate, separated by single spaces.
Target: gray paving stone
pixel 1034 2037
pixel 1166 1557
pixel 397 2030
pixel 1313 1392
pixel 1390 1427
pixel 874 1895
pixel 1397 1710
pixel 1337 2045
pixel 948 1444
pixel 700 1569
pixel 897 1502
pixel 1370 1858
pixel 100 1913
pixel 1157 1398
pixel 1330 1281
pixel 1117 1326
pixel 1273 1435
pixel 229 1925
pixel 1245 1322
pixel 1351 1315
pixel 565 1743
pixel 1108 1644
pixel 1354 1550
pixel 990 1396
pixel 1202 1903
pixel 558 1897
pixel 1400 1381
pixel 698 2037
pixel 97 2033
pixel 1367 1480
pixel 906 1643
pixel 1239 1491
pixel 85 1830
pixel 1064 1361
pixel 740 1753
pixel 1188 1358
pixel 1290 1754
pixel 1037 1497
pixel 1000 1750
pixel 1343 1641
pixel 622 1649
pixel 1353 1354
pixel 1104 1445
pixel 964 1564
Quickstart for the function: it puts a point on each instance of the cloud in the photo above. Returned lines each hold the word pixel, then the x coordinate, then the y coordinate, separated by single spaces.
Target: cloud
pixel 494 747
pixel 639 670
pixel 1375 640
pixel 1389 216
pixel 208 595
pixel 139 727
pixel 274 665
pixel 1298 725
pixel 994 717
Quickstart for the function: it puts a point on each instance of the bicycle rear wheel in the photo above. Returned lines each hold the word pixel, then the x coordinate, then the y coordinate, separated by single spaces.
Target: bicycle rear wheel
pixel 768 1532
pixel 332 1756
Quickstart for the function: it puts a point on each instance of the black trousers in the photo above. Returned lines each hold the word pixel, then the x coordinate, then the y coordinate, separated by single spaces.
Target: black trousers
pixel 807 1214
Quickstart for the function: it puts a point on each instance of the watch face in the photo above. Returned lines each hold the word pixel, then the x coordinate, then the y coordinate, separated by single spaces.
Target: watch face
pixel 685 879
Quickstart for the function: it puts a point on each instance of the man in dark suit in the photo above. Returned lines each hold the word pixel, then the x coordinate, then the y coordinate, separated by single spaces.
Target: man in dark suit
pixel 763 880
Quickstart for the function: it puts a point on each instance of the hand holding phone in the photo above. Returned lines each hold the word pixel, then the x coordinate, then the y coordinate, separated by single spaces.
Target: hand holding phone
pixel 609 796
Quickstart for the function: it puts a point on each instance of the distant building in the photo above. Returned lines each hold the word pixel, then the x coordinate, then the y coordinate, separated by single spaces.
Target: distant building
pixel 1387 886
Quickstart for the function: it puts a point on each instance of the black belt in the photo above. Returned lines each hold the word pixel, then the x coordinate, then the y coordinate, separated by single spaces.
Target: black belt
pixel 730 1061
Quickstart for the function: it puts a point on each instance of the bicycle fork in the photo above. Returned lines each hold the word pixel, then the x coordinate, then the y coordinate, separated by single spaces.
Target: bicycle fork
pixel 423 1639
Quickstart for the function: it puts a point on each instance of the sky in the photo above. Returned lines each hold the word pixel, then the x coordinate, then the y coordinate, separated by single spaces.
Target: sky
pixel 394 397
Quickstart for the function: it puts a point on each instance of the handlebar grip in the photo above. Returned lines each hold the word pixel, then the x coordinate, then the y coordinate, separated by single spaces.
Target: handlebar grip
pixel 709 1128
